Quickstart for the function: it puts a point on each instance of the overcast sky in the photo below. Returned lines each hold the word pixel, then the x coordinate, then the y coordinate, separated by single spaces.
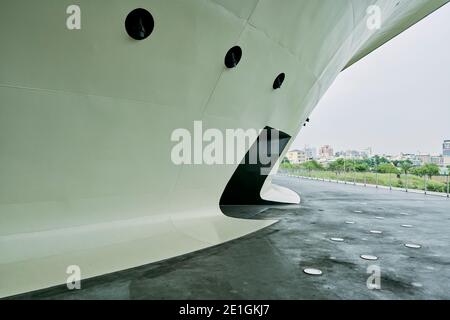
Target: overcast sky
pixel 395 100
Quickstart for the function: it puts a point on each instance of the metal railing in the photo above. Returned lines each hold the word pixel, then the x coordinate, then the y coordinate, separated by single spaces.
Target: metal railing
pixel 435 185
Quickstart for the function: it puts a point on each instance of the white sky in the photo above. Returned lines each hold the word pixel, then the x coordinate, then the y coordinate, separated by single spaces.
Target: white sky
pixel 395 100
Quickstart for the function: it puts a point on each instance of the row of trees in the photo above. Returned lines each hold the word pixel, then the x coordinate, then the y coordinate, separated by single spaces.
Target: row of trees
pixel 374 164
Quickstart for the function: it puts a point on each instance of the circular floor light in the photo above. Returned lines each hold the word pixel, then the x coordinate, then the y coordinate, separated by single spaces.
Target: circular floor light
pixel 233 57
pixel 313 272
pixel 369 257
pixel 279 82
pixel 413 246
pixel 139 24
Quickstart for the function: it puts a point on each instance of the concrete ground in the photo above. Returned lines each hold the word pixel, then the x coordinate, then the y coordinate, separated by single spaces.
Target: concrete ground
pixel 269 264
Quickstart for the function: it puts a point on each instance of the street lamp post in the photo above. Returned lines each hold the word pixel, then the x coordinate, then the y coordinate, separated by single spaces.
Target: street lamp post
pixel 425 183
pixel 390 184
pixel 376 178
pixel 345 173
pixel 448 185
pixel 407 182
pixel 376 175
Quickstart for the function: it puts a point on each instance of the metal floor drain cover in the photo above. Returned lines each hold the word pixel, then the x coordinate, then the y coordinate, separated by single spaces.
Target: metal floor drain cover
pixel 337 239
pixel 312 272
pixel 369 257
pixel 376 231
pixel 413 245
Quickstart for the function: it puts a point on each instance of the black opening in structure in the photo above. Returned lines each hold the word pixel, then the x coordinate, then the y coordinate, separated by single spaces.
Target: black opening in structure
pixel 233 57
pixel 139 24
pixel 245 185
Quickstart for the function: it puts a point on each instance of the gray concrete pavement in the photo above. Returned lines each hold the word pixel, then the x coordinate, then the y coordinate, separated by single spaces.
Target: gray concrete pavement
pixel 269 264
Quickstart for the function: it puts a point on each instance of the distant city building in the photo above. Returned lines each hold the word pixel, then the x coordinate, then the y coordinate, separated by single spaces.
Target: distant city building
pixel 438 160
pixel 326 152
pixel 352 154
pixel 311 153
pixel 419 159
pixel 368 152
pixel 401 157
pixel 446 160
pixel 409 157
pixel 424 158
pixel 296 156
pixel 446 148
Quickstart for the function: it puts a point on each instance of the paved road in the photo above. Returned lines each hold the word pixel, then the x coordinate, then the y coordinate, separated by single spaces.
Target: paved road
pixel 269 264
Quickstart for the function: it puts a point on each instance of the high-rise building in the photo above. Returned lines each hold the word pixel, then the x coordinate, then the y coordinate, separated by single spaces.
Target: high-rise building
pixel 326 152
pixel 446 148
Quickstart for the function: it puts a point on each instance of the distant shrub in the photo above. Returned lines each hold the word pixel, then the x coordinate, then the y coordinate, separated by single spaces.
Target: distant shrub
pixel 435 186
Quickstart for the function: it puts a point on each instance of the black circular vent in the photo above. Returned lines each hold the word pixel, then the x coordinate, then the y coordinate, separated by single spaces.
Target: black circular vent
pixel 279 81
pixel 139 24
pixel 233 57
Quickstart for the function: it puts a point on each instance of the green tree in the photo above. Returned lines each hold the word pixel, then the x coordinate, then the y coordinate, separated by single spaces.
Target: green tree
pixel 387 168
pixel 286 164
pixel 376 161
pixel 405 166
pixel 336 166
pixel 312 165
pixel 418 171
pixel 361 166
pixel 431 169
pixel 349 165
